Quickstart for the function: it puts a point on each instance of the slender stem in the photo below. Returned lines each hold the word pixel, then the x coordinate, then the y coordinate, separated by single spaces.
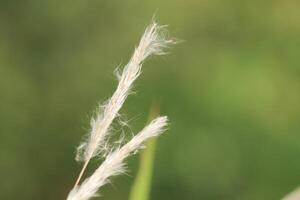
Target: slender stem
pixel 82 172
pixel 142 184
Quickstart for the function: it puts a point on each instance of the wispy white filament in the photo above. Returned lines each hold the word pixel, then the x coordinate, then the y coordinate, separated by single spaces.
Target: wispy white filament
pixel 113 164
pixel 152 42
pixel 295 195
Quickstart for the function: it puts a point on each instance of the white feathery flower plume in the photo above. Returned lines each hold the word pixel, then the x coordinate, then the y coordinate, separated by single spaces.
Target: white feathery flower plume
pixel 113 164
pixel 152 42
pixel 295 195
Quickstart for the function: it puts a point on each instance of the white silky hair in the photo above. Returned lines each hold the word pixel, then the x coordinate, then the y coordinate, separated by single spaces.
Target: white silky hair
pixel 114 162
pixel 295 195
pixel 152 42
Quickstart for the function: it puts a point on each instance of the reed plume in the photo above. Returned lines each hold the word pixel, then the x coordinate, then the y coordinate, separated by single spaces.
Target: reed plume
pixel 152 42
pixel 113 164
pixel 295 195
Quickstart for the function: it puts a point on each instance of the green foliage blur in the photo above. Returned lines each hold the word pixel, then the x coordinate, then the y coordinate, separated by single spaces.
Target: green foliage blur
pixel 231 90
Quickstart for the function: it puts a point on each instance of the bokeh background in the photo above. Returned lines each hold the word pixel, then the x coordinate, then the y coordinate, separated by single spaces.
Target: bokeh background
pixel 231 90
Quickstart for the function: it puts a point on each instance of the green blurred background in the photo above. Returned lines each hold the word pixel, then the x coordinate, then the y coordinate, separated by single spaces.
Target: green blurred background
pixel 231 90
